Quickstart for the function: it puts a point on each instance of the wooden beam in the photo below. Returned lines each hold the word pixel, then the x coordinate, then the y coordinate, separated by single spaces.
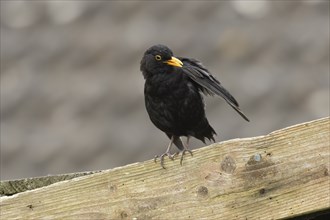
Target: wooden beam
pixel 280 175
pixel 11 187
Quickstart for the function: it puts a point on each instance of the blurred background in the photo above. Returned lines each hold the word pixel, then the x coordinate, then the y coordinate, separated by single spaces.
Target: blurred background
pixel 72 91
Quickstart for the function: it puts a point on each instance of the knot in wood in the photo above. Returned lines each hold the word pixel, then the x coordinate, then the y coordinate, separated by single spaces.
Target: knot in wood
pixel 255 159
pixel 202 191
pixel 262 191
pixel 123 215
pixel 228 165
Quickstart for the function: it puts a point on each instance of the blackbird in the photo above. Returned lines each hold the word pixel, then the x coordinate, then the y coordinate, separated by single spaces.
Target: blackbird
pixel 173 97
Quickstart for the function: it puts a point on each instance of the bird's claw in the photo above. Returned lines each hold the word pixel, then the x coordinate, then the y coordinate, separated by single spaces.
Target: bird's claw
pixel 183 153
pixel 171 156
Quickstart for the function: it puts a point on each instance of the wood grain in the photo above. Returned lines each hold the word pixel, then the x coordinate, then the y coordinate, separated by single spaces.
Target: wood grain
pixel 280 175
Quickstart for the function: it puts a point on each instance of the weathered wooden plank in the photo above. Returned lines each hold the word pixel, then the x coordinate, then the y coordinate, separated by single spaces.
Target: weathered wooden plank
pixel 283 174
pixel 11 187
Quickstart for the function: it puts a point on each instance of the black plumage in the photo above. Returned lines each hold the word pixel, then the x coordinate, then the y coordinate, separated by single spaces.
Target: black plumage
pixel 173 98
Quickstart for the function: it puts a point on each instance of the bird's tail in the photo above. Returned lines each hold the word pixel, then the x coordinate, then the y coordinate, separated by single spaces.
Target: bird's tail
pixel 208 132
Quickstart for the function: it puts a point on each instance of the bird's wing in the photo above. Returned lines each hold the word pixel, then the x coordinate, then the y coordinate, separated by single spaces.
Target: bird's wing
pixel 209 85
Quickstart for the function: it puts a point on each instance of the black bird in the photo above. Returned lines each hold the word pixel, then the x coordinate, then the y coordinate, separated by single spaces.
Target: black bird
pixel 173 98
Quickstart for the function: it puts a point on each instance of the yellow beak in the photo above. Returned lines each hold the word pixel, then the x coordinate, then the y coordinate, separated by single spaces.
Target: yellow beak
pixel 174 62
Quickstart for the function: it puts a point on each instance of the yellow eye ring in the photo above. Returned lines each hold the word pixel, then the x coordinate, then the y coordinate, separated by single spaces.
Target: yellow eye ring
pixel 158 57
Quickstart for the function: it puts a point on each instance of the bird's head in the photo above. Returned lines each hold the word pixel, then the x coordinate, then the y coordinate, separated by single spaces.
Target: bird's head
pixel 157 60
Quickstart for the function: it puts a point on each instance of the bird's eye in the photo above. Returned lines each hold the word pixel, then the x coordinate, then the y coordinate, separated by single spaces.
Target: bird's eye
pixel 158 57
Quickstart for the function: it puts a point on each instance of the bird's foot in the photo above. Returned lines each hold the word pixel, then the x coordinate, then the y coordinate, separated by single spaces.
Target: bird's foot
pixel 183 153
pixel 171 156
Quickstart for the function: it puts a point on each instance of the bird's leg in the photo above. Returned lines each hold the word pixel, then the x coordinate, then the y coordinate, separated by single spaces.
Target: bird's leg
pixel 185 150
pixel 167 153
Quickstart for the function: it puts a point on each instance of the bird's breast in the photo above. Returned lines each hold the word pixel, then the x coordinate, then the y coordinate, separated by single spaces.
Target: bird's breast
pixel 169 84
pixel 174 93
pixel 174 105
